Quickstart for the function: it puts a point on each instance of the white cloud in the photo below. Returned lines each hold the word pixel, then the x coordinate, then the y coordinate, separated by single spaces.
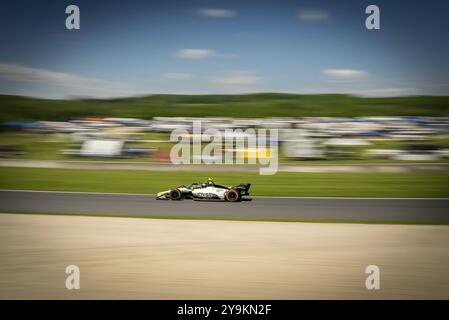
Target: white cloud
pixel 177 76
pixel 201 53
pixel 313 15
pixel 345 75
pixel 195 53
pixel 74 84
pixel 217 13
pixel 237 78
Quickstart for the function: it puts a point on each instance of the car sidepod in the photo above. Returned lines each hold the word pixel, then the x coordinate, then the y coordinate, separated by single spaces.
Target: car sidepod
pixel 209 192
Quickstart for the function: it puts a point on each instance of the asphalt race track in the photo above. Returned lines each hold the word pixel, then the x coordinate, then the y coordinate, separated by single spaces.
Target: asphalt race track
pixel 260 207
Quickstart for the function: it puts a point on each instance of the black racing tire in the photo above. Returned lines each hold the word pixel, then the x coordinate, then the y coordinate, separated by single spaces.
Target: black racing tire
pixel 233 195
pixel 175 194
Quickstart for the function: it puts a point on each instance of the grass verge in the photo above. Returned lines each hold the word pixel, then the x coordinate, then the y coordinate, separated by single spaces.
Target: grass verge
pixel 407 184
pixel 345 221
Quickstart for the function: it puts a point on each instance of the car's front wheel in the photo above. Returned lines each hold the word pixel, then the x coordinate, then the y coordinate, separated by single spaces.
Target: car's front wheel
pixel 232 195
pixel 175 194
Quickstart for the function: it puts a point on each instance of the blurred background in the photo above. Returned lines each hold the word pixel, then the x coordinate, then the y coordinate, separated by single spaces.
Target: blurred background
pixel 85 122
pixel 108 95
pixel 362 139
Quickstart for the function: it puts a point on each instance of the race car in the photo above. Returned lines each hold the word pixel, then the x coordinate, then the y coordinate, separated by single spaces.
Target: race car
pixel 206 191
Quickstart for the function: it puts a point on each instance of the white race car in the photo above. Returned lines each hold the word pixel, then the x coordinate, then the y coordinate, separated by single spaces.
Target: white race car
pixel 206 191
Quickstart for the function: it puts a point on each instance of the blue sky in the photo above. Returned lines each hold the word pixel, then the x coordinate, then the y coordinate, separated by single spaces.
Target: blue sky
pixel 211 46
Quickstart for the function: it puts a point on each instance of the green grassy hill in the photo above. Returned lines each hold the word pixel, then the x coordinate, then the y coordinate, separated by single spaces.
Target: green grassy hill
pixel 247 105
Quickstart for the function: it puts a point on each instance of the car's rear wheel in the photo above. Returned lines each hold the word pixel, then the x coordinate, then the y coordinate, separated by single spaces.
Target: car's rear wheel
pixel 233 195
pixel 175 194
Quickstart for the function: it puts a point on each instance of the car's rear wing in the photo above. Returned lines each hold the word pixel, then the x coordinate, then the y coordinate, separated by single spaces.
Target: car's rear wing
pixel 243 188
